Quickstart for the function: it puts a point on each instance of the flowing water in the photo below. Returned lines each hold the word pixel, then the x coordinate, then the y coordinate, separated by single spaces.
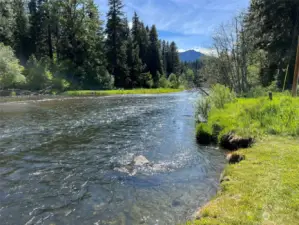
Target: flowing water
pixel 61 160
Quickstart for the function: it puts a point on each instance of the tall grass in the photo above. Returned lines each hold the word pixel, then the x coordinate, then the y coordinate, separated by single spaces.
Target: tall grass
pixel 255 117
pixel 219 96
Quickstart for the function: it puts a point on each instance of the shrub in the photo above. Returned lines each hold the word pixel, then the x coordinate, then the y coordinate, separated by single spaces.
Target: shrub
pixel 60 84
pixel 146 80
pixel 219 96
pixel 38 74
pixel 163 82
pixel 10 69
pixel 203 107
pixel 106 81
pixel 173 81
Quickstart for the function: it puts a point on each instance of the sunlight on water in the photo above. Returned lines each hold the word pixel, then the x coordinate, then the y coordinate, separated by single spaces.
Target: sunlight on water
pixel 66 161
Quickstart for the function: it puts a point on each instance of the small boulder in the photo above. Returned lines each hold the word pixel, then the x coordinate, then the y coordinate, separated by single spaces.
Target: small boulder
pixel 234 158
pixel 233 142
pixel 204 138
pixel 140 161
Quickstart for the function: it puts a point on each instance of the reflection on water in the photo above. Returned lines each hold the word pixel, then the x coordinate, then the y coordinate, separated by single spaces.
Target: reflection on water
pixel 58 160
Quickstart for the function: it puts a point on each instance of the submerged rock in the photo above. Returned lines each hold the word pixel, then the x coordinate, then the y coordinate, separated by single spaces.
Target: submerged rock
pixel 142 164
pixel 233 142
pixel 140 161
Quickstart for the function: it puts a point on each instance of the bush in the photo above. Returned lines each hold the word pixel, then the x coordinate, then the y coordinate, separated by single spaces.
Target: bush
pixel 60 84
pixel 260 91
pixel 163 82
pixel 219 96
pixel 106 81
pixel 10 69
pixel 173 81
pixel 146 80
pixel 203 107
pixel 38 74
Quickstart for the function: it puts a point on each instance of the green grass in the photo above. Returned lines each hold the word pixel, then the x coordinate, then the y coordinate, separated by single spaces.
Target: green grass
pixel 255 117
pixel 264 188
pixel 121 92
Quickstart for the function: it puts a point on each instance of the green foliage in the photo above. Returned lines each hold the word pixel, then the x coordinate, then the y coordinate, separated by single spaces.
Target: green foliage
pixel 38 74
pixel 173 81
pixel 146 80
pixel 7 22
pixel 187 79
pixel 10 70
pixel 163 82
pixel 70 35
pixel 273 27
pixel 259 91
pixel 221 95
pixel 116 43
pixel 257 117
pixel 203 107
pixel 154 58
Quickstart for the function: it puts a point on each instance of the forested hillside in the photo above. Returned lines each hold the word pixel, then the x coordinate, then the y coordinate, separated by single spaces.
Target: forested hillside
pixel 60 44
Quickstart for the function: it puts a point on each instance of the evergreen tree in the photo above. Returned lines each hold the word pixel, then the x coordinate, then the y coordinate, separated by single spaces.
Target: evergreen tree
pixel 164 56
pixel 95 62
pixel 116 43
pixel 154 57
pixel 7 22
pixel 174 65
pixel 143 43
pixel 21 32
pixel 81 42
pixel 134 64
pixel 274 28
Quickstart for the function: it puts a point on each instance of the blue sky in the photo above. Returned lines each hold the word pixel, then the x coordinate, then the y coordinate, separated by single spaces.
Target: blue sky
pixel 190 23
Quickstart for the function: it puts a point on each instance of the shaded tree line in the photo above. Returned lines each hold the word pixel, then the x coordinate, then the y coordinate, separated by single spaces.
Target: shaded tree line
pixel 62 44
pixel 257 48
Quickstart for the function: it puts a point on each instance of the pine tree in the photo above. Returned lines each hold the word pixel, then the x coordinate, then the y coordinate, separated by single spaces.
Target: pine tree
pixel 143 43
pixel 154 57
pixel 7 22
pixel 21 32
pixel 164 56
pixel 80 43
pixel 174 66
pixel 116 43
pixel 95 62
pixel 134 63
pixel 274 28
pixel 168 59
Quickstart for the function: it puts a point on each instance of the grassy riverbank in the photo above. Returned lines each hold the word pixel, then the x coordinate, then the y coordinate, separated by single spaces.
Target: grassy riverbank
pixel 263 188
pixel 78 93
pixel 121 92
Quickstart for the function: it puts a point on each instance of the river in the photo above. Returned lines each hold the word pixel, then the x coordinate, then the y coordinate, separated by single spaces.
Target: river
pixel 60 160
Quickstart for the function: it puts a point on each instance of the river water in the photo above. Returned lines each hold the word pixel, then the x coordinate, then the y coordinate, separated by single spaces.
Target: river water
pixel 61 160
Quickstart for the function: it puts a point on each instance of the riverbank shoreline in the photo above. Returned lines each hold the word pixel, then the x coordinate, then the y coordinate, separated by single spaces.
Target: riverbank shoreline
pixel 90 93
pixel 261 187
pixel 121 92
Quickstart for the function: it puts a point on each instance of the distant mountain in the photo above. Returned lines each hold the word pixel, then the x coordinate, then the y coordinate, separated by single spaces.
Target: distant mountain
pixel 190 56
